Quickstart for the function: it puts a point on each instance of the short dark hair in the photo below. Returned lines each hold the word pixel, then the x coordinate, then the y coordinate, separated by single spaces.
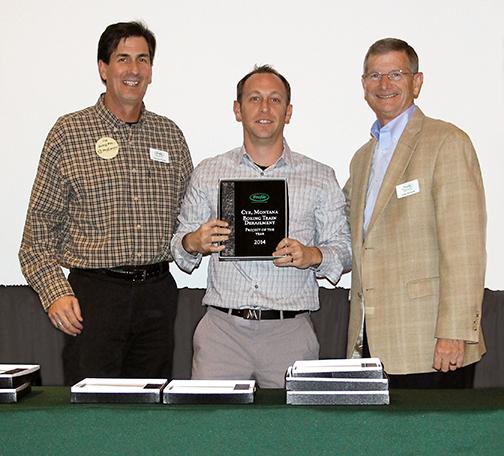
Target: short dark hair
pixel 386 45
pixel 260 70
pixel 114 33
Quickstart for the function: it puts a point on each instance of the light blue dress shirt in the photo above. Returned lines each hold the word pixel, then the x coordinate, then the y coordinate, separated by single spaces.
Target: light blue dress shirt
pixel 387 138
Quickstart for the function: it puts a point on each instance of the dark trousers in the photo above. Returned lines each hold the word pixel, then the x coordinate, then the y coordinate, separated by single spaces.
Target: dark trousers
pixel 457 379
pixel 128 327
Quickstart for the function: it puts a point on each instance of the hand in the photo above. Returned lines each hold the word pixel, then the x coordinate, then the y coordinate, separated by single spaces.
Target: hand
pixel 293 253
pixel 448 355
pixel 65 315
pixel 207 237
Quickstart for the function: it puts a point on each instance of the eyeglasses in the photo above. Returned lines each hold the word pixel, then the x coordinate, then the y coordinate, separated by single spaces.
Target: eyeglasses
pixel 395 75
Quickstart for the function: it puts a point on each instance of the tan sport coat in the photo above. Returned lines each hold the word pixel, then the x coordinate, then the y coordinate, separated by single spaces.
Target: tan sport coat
pixel 419 272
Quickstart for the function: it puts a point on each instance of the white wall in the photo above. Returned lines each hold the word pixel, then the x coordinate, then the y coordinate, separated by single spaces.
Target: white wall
pixel 48 68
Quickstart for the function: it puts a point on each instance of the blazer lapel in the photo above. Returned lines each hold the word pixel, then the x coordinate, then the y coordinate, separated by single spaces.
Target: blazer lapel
pixel 402 155
pixel 359 188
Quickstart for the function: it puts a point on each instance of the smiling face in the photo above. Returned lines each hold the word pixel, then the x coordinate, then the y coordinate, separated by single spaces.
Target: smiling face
pixel 127 76
pixel 386 98
pixel 263 110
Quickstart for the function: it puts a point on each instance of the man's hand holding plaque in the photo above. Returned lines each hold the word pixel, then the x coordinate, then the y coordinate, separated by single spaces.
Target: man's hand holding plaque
pixel 208 238
pixel 290 252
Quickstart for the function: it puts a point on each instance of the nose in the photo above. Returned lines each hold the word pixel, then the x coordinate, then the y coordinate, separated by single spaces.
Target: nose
pixel 133 67
pixel 384 81
pixel 264 105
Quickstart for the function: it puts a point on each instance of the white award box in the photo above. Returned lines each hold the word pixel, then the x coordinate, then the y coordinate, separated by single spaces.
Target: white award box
pixel 120 390
pixel 333 384
pixel 10 395
pixel 339 368
pixel 209 392
pixel 14 375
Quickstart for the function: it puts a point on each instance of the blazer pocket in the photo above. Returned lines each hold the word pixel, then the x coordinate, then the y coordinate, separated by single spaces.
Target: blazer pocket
pixel 423 287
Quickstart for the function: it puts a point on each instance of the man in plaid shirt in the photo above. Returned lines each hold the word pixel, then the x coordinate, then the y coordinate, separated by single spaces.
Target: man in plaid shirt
pixel 104 204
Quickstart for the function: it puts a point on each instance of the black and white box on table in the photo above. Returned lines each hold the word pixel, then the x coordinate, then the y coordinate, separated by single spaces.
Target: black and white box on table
pixel 121 390
pixel 209 392
pixel 14 375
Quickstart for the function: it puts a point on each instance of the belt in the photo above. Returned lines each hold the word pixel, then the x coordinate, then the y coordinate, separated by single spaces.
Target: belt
pixel 132 273
pixel 258 314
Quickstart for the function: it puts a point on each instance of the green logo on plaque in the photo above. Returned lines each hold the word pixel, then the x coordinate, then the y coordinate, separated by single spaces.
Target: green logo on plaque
pixel 259 198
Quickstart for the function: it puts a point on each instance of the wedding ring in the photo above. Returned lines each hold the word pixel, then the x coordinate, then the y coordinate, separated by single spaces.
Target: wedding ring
pixel 59 324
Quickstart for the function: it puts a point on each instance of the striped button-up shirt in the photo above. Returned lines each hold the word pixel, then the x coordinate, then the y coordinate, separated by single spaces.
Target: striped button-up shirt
pixel 316 218
pixel 92 212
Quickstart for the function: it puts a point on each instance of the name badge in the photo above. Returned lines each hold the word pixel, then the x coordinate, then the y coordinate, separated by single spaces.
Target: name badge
pixel 159 155
pixel 107 148
pixel 407 189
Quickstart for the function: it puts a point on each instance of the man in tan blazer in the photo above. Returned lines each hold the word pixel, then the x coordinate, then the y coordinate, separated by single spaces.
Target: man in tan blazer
pixel 417 213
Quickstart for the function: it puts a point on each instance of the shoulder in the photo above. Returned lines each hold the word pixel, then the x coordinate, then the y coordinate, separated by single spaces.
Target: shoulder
pixel 442 130
pixel 303 163
pixel 69 126
pixel 219 162
pixel 157 121
pixel 67 121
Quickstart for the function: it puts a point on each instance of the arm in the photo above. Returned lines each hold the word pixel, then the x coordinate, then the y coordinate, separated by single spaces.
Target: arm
pixel 42 237
pixel 196 234
pixel 330 255
pixel 459 202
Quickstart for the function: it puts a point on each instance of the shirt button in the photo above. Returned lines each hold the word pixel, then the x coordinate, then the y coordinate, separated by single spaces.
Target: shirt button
pixel 133 170
pixel 138 226
pixel 138 254
pixel 256 286
pixel 262 173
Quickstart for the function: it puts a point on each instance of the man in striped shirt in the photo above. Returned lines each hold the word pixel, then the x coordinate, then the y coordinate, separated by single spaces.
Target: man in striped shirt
pixel 257 322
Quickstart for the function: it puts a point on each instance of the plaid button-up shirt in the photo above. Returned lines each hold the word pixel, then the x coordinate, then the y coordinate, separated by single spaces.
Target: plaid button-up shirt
pixel 89 212
pixel 316 218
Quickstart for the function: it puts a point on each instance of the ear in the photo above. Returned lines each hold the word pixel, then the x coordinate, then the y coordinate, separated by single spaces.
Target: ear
pixel 288 114
pixel 102 69
pixel 417 84
pixel 237 111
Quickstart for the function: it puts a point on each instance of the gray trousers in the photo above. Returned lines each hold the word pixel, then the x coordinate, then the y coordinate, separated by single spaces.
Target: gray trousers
pixel 227 347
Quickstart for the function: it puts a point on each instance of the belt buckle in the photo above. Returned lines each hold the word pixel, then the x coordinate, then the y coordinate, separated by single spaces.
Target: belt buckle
pixel 252 314
pixel 140 276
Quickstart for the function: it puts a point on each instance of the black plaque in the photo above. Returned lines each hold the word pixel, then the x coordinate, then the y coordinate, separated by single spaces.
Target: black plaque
pixel 257 211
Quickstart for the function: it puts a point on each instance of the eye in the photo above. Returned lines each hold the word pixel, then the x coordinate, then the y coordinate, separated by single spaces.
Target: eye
pixel 121 59
pixel 395 75
pixel 276 100
pixel 374 76
pixel 255 99
pixel 144 59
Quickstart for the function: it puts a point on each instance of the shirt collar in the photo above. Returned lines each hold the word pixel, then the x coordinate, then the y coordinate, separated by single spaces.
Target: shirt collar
pixel 106 114
pixel 395 127
pixel 284 159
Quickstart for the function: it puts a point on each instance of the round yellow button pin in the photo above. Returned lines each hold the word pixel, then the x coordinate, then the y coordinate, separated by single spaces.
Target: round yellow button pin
pixel 107 148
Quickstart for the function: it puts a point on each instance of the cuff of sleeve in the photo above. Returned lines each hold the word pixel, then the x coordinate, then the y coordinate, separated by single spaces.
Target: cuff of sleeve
pixel 185 260
pixel 54 291
pixel 330 267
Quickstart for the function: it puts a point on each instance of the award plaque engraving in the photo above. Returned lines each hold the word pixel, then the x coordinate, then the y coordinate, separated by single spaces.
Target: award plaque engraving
pixel 257 211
